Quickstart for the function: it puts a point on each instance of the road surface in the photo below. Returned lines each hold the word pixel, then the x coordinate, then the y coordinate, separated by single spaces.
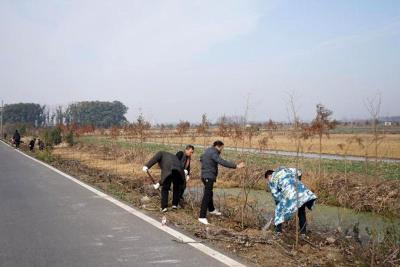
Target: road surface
pixel 49 220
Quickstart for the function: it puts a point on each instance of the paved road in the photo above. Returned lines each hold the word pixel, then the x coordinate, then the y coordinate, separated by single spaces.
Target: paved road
pixel 48 220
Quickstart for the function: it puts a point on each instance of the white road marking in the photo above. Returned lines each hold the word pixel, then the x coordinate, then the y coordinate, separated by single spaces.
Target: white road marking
pixel 185 239
pixel 165 262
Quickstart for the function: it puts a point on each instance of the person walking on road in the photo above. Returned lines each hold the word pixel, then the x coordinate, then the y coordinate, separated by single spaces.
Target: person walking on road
pixel 209 172
pixel 171 173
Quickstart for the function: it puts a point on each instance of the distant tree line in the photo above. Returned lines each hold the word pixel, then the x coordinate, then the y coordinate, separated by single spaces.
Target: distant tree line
pixel 25 113
pixel 95 113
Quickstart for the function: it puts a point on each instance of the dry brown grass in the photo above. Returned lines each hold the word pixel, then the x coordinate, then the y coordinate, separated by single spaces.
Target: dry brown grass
pixel 96 159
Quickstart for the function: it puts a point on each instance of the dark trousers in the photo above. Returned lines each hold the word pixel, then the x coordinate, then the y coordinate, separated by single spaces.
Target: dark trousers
pixel 301 213
pixel 207 202
pixel 175 179
pixel 182 190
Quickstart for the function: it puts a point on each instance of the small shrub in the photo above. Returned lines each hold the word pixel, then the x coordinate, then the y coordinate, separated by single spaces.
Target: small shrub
pixel 69 138
pixel 52 137
pixel 55 136
pixel 45 155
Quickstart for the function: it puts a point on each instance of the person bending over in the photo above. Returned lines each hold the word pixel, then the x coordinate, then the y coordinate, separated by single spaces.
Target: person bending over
pixel 283 183
pixel 171 173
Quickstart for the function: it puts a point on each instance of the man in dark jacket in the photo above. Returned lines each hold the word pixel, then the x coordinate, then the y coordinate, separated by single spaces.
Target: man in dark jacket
pixel 40 144
pixel 171 172
pixel 209 172
pixel 32 144
pixel 185 158
pixel 17 138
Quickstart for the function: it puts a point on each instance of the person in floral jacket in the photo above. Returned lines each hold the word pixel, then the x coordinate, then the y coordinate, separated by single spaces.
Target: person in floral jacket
pixel 283 182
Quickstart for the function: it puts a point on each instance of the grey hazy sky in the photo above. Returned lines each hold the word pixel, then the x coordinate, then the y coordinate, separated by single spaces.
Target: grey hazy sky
pixel 175 60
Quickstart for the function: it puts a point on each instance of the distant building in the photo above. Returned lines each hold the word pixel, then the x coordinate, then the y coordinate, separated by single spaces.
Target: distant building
pixel 388 123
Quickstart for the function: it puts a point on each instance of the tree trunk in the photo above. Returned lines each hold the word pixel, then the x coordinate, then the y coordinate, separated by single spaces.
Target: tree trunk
pixel 320 155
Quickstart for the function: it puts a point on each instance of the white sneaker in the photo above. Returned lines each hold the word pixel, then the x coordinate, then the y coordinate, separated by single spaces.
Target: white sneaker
pixel 164 210
pixel 216 212
pixel 174 207
pixel 203 221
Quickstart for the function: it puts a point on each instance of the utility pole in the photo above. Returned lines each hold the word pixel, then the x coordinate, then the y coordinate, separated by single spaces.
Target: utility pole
pixel 1 120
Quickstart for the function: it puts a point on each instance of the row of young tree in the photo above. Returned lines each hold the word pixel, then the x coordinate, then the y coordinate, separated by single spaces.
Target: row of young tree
pixel 85 117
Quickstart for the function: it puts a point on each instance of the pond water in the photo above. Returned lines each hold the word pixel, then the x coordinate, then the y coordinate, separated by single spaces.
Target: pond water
pixel 322 217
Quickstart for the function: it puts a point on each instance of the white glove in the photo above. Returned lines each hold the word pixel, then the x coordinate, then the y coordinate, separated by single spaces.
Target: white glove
pixel 156 186
pixel 186 172
pixel 187 178
pixel 145 169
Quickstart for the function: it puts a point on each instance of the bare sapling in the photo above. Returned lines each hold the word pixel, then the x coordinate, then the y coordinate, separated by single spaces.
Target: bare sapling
pixel 245 119
pixel 114 133
pixel 296 136
pixel 250 180
pixel 251 131
pixel 237 134
pixel 263 143
pixel 223 127
pixel 373 106
pixel 181 129
pixel 321 125
pixel 162 133
pixel 141 128
pixel 345 147
pixel 203 128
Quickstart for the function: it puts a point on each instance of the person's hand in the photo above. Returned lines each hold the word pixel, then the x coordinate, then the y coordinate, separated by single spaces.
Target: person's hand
pixel 240 165
pixel 186 172
pixel 187 178
pixel 145 169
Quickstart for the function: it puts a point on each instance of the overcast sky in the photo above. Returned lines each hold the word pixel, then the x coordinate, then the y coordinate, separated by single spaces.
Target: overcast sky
pixel 175 60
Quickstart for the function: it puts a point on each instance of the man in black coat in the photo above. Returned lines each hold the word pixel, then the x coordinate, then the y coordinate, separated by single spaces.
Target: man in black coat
pixel 209 172
pixel 171 173
pixel 40 144
pixel 185 158
pixel 17 138
pixel 32 144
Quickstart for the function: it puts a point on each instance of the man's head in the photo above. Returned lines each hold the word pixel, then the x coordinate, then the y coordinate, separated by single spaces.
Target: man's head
pixel 219 145
pixel 268 174
pixel 189 150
